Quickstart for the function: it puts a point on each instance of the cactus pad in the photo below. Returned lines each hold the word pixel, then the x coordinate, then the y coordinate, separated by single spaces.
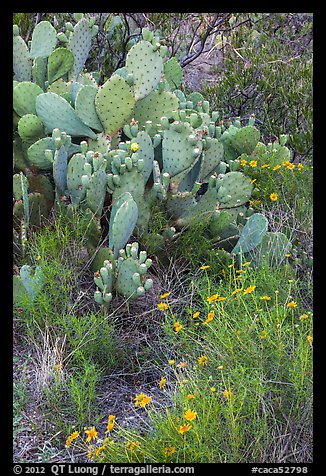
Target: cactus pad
pixel 146 66
pixel 62 115
pixel 114 103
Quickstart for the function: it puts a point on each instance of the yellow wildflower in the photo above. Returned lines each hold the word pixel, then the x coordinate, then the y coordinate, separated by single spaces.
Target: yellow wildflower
pixel 99 450
pixel 182 365
pixel 212 298
pixel 213 389
pixel 209 318
pixel 276 167
pixel 300 166
pixel 263 334
pixel 253 180
pixel 202 360
pixel 228 394
pixel 190 396
pixel 286 163
pixel 265 166
pixel 165 295
pixel 134 147
pixel 71 438
pixel 171 362
pixel 290 166
pixel 162 382
pixel 142 399
pixel 169 450
pixel 91 434
pixel 243 162
pixel 111 422
pixel 253 163
pixel 162 306
pixel 190 415
pixel 250 289
pixel 303 316
pixel 195 315
pixel 177 326
pixel 240 271
pixel 204 267
pixel 310 339
pixel 184 428
pixel 236 290
pixel 265 298
pixel 220 367
pixel 132 445
pixel 247 263
pixel 38 258
pixel 89 455
pixel 273 197
pixel 292 304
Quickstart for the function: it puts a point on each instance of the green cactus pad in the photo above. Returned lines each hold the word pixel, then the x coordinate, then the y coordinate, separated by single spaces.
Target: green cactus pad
pixel 178 204
pixel 36 153
pixel 24 97
pixel 44 40
pixel 95 193
pixel 39 71
pixel 19 159
pixel 220 221
pixel 202 212
pixel 146 152
pixel 173 73
pixel 60 62
pixel 246 139
pixel 60 170
pixel 62 116
pixel 85 107
pixel 195 97
pixel 114 103
pixel 233 190
pixel 153 107
pixel 272 250
pixel 252 233
pixel 101 255
pixel 178 150
pixel 80 43
pixel 41 184
pixel 30 128
pixel 75 171
pixel 146 66
pixel 59 87
pixel 211 158
pixel 123 219
pixel 22 61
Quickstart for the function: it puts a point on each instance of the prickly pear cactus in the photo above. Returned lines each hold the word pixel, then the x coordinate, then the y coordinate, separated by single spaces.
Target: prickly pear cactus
pixel 132 267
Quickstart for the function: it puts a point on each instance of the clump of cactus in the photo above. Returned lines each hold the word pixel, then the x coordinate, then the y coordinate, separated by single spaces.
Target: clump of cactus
pixel 125 147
